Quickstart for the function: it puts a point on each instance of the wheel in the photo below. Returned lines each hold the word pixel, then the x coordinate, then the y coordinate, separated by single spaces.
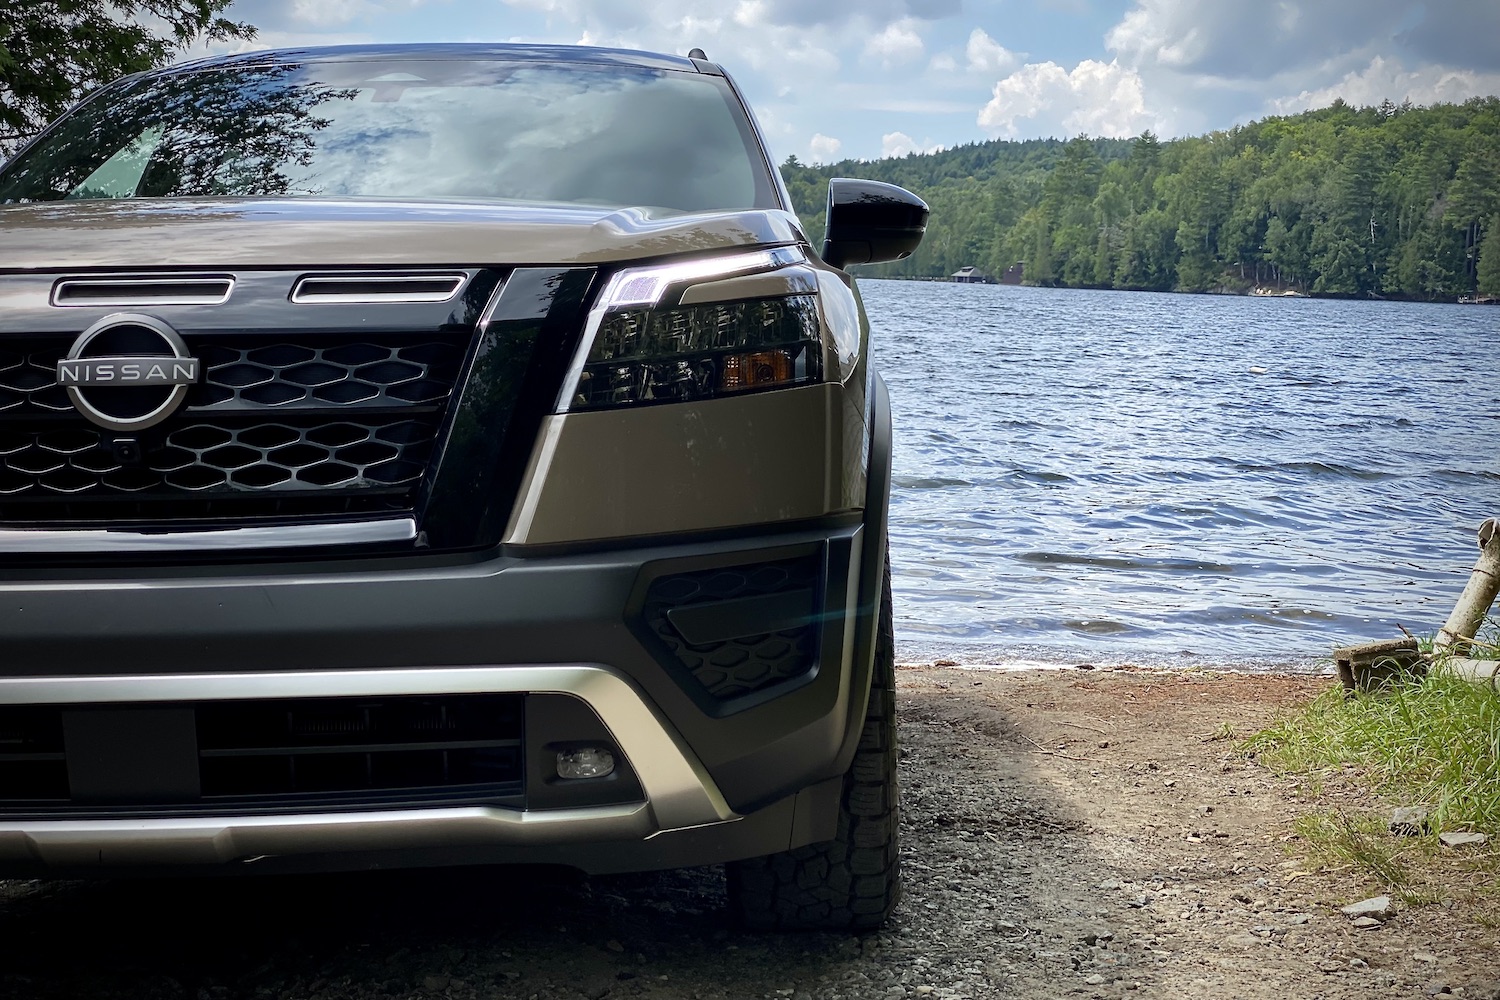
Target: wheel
pixel 853 881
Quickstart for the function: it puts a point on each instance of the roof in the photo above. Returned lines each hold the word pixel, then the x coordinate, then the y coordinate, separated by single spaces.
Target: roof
pixel 452 51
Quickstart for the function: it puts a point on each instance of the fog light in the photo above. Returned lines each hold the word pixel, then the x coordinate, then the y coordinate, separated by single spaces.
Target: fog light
pixel 585 762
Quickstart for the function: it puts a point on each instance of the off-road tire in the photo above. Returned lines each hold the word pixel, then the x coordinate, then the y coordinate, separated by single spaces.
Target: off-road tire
pixel 853 881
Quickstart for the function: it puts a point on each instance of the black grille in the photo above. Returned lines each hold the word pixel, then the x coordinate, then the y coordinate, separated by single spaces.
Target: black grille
pixel 32 766
pixel 360 745
pixel 326 425
pixel 751 661
pixel 241 373
pixel 220 467
pixel 331 753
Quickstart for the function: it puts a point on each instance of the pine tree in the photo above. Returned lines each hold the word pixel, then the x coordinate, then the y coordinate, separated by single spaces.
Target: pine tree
pixel 1489 259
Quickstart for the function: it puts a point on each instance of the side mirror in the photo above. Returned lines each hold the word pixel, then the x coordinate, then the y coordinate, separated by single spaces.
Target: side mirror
pixel 870 222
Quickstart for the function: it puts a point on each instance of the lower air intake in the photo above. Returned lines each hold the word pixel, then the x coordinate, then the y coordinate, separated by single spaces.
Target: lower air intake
pixel 739 630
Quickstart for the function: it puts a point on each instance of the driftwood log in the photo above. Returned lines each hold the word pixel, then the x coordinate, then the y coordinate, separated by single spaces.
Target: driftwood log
pixel 1457 636
pixel 1376 666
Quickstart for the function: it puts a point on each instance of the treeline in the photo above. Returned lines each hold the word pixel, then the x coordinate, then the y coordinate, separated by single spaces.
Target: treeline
pixel 1395 200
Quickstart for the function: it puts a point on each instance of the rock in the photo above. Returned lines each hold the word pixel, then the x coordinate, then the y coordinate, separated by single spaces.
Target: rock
pixel 1376 906
pixel 1298 919
pixel 1455 839
pixel 1366 923
pixel 1424 956
pixel 435 983
pixel 1358 963
pixel 1096 980
pixel 1436 989
pixel 1409 821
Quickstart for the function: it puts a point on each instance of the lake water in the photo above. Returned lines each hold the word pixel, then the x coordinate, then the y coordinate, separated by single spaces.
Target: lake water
pixel 1180 479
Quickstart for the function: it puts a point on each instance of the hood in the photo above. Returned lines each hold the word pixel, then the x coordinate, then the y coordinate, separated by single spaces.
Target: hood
pixel 157 233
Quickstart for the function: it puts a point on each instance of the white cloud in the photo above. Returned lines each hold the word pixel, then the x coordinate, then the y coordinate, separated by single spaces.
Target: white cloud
pixel 901 144
pixel 1235 41
pixel 824 148
pixel 986 55
pixel 324 13
pixel 330 13
pixel 1095 98
pixel 1386 79
pixel 898 44
pixel 750 13
pixel 274 40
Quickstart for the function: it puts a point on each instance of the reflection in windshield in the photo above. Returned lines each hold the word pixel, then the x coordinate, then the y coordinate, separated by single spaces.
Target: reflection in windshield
pixel 576 133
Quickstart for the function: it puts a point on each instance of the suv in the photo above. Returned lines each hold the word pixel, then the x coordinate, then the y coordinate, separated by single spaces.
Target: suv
pixel 443 455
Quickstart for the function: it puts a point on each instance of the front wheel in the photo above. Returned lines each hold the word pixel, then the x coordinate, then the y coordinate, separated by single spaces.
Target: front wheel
pixel 853 881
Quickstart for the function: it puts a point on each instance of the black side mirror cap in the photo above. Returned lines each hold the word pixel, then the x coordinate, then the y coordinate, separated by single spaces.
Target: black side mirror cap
pixel 870 222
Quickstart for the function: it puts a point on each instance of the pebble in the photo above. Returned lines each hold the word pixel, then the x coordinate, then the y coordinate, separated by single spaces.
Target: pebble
pixel 1375 906
pixel 1096 980
pixel 1409 821
pixel 1462 839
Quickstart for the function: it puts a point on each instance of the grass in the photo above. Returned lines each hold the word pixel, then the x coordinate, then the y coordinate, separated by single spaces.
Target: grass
pixel 1433 743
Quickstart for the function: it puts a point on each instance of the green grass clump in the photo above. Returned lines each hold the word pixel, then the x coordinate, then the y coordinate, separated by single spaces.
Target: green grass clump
pixel 1434 743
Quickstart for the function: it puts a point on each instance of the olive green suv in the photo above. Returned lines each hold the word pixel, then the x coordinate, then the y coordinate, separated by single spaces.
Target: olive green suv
pixel 443 455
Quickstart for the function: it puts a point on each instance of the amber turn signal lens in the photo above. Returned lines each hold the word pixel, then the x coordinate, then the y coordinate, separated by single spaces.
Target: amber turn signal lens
pixel 761 369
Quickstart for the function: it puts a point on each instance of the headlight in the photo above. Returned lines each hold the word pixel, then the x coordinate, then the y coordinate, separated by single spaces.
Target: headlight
pixel 638 352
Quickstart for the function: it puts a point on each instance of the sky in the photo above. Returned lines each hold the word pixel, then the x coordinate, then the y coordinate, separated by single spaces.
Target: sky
pixel 861 79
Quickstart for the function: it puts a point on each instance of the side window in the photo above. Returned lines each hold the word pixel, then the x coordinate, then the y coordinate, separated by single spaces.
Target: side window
pixel 120 175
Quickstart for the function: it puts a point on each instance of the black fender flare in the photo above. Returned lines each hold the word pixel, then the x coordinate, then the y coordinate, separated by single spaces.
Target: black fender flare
pixel 871 568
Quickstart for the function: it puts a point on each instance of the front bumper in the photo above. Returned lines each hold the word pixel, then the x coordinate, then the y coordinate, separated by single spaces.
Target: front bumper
pixel 683 818
pixel 714 785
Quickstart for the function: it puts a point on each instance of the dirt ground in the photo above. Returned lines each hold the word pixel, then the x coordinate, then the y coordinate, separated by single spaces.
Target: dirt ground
pixel 1066 833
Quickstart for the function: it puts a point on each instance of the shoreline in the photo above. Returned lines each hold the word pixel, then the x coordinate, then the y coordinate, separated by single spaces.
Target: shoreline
pixel 1103 663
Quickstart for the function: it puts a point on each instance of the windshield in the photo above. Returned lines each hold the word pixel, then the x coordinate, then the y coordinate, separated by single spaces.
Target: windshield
pixel 555 132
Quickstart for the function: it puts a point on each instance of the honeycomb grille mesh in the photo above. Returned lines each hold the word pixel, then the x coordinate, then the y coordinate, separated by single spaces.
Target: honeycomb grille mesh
pixel 218 457
pixel 328 424
pixel 250 374
pixel 736 667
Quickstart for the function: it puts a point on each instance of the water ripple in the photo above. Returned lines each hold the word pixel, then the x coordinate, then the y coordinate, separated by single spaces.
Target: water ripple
pixel 1100 475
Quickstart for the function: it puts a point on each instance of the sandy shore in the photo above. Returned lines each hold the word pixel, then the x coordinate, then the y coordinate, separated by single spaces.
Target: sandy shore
pixel 1066 833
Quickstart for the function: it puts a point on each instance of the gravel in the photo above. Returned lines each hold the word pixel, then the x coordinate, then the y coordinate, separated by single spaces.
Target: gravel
pixel 1055 840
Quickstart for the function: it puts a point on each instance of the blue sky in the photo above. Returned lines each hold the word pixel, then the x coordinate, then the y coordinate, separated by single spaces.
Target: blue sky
pixel 832 79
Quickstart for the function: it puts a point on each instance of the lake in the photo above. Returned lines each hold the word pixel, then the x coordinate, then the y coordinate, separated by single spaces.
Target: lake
pixel 1179 480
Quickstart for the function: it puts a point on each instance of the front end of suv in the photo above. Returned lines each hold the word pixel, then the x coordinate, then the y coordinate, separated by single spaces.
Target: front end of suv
pixel 346 525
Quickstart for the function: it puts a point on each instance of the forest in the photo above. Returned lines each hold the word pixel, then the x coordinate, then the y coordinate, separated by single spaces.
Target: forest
pixel 1394 201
